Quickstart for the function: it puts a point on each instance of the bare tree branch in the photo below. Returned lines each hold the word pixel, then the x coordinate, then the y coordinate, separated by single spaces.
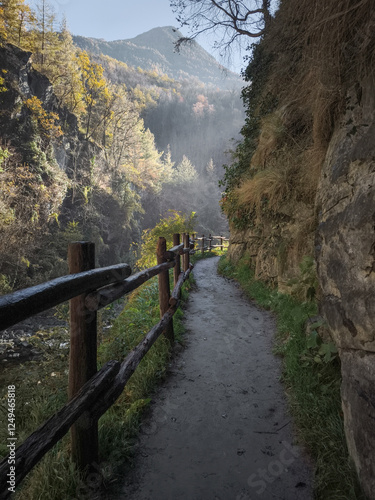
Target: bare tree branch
pixel 228 19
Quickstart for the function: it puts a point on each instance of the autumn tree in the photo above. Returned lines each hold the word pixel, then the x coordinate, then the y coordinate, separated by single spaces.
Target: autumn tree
pixel 17 21
pixel 44 122
pixel 96 94
pixel 64 71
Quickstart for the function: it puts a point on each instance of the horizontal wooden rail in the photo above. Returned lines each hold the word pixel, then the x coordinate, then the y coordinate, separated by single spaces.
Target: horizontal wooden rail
pixel 212 238
pixel 21 305
pixel 133 359
pixel 101 298
pixel 173 301
pixel 177 249
pixel 28 454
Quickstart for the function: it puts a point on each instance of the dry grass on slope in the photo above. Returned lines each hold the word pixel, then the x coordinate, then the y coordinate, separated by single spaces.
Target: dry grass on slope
pixel 322 47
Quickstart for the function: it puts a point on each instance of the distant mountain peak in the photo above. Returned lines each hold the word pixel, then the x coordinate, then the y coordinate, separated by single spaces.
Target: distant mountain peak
pixel 156 49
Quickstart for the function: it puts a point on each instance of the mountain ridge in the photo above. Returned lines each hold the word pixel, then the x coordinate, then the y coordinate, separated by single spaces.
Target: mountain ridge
pixel 155 49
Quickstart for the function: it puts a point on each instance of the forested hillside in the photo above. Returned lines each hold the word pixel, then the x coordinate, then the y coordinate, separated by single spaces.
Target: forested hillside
pixel 93 148
pixel 156 49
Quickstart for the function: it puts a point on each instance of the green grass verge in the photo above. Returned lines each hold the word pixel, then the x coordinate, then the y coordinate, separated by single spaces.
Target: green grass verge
pixel 41 390
pixel 312 378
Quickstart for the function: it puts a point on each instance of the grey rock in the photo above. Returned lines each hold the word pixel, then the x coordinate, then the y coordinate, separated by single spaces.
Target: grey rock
pixel 358 403
pixel 345 253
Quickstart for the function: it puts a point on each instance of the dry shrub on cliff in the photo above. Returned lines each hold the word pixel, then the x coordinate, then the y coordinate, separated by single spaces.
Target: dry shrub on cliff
pixel 272 128
pixel 322 47
pixel 274 186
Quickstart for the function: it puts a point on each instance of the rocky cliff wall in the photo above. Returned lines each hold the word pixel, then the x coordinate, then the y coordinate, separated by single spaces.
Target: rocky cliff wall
pixel 345 253
pixel 23 82
pixel 343 242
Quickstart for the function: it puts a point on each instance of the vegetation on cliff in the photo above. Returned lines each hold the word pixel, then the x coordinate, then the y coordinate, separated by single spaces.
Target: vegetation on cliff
pixel 298 76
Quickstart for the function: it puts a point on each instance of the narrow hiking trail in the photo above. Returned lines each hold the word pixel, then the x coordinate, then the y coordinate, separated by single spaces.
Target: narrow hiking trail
pixel 219 428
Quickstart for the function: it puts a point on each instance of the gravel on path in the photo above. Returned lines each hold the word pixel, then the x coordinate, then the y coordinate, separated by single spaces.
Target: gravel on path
pixel 219 427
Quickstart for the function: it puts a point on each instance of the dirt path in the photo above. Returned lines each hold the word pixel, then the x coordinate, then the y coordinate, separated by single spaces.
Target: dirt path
pixel 219 428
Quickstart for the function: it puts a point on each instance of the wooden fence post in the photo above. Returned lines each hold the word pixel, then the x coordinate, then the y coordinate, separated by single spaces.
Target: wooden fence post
pixel 177 267
pixel 209 243
pixel 221 242
pixel 82 357
pixel 193 239
pixel 202 244
pixel 186 260
pixel 164 290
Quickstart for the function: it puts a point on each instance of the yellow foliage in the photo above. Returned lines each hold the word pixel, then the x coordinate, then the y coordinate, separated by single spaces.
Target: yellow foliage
pixel 96 95
pixel 46 120
pixel 3 32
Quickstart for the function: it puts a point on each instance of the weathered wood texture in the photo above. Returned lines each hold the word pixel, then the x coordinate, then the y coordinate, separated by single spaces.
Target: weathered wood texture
pixel 47 435
pixel 103 297
pixel 130 364
pixel 133 359
pixel 186 257
pixel 164 289
pixel 177 249
pixel 177 267
pixel 209 243
pixel 82 356
pixel 21 305
pixel 175 295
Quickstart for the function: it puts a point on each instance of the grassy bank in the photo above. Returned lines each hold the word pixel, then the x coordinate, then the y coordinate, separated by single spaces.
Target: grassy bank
pixel 311 374
pixel 41 390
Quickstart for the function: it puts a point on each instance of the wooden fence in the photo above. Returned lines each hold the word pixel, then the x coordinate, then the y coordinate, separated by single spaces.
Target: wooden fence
pixel 90 392
pixel 206 243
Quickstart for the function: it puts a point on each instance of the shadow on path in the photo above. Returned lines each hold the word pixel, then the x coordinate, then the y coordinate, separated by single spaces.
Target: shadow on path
pixel 219 428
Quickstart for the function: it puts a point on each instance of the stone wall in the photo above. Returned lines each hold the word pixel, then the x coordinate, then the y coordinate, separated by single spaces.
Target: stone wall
pixel 345 254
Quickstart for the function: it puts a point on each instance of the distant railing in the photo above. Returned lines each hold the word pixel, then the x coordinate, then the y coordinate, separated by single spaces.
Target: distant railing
pixel 91 393
pixel 206 242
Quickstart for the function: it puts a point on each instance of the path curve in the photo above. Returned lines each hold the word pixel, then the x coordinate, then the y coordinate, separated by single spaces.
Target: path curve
pixel 219 428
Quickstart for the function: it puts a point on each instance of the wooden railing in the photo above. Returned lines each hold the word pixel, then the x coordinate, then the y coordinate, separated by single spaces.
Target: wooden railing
pixel 206 243
pixel 91 393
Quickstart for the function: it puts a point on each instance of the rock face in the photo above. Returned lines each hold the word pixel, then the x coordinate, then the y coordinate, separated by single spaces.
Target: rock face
pixel 274 249
pixel 345 253
pixel 72 151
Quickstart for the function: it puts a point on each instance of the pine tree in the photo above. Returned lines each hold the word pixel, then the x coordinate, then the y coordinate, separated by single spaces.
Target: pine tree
pixel 47 39
pixel 64 74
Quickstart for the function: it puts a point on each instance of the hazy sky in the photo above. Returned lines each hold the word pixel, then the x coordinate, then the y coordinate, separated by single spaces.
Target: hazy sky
pixel 120 19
